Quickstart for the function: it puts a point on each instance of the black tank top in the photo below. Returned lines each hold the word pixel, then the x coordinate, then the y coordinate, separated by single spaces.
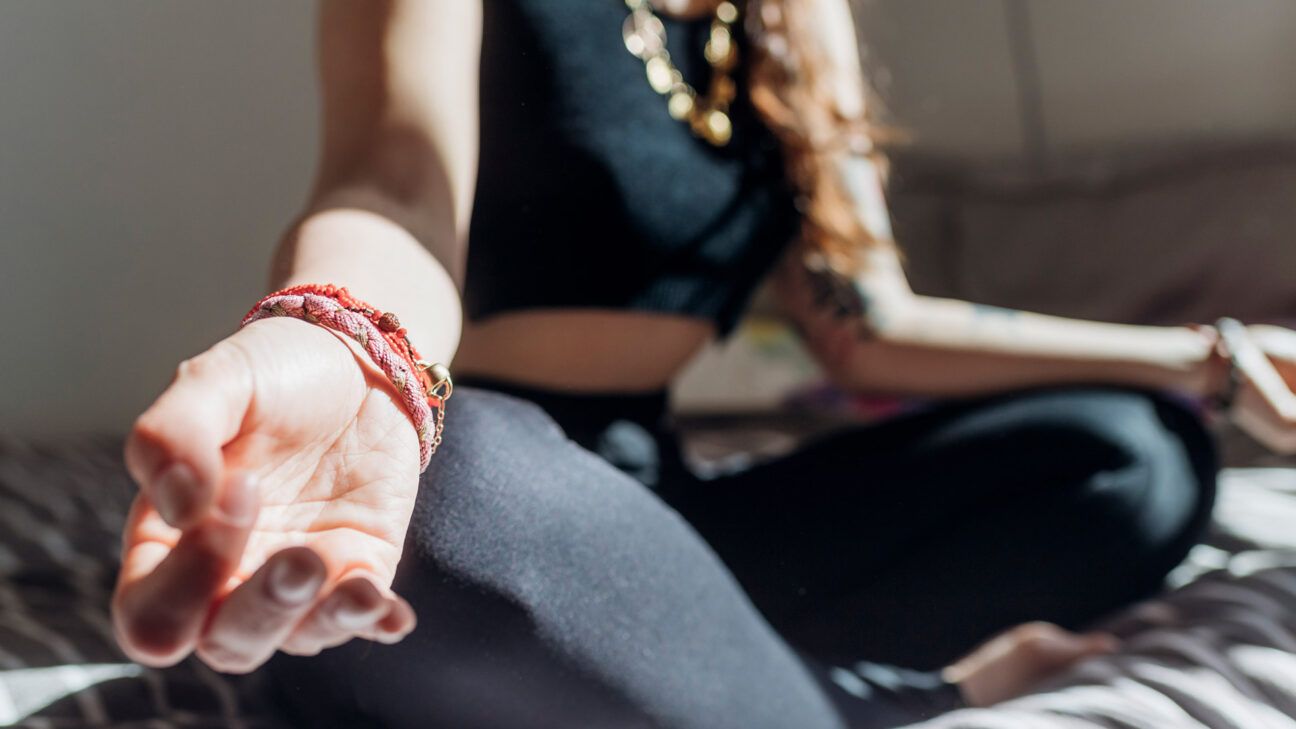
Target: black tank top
pixel 589 195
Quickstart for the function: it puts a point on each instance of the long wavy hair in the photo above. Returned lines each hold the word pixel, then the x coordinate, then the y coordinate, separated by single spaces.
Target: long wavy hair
pixel 807 85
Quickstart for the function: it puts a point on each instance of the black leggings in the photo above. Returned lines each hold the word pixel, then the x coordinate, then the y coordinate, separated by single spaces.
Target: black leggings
pixel 557 587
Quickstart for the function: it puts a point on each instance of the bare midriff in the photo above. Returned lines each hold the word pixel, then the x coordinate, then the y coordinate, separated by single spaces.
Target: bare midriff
pixel 581 350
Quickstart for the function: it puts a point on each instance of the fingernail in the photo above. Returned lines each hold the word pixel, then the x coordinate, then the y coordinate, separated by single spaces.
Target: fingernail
pixel 358 609
pixel 175 493
pixel 238 501
pixel 399 620
pixel 294 580
pixel 412 617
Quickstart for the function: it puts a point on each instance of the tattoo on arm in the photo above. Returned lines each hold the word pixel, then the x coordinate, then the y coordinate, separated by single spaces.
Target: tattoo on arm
pixel 843 299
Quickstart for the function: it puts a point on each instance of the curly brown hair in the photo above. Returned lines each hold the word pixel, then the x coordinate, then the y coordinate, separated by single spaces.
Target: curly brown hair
pixel 808 87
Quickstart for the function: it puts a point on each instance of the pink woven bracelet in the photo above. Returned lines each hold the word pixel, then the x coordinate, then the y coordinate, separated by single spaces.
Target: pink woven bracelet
pixel 327 312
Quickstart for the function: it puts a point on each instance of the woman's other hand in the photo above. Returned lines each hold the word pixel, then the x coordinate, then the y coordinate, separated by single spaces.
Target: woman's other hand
pixel 1265 404
pixel 1011 663
pixel 1279 343
pixel 277 476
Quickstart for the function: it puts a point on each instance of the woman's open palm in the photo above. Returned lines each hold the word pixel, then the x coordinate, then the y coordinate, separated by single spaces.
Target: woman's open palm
pixel 278 473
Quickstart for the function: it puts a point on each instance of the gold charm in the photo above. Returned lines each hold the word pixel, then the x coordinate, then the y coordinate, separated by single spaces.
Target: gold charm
pixel 439 376
pixel 717 129
pixel 707 116
pixel 441 388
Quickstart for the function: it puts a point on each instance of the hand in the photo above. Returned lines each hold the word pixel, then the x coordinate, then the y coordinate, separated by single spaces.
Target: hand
pixel 278 473
pixel 1279 344
pixel 1265 406
pixel 1011 663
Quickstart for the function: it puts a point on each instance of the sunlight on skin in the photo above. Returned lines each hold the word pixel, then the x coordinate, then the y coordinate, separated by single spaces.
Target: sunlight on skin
pixel 336 474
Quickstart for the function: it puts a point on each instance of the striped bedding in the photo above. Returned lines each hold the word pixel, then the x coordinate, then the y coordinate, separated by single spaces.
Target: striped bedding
pixel 1219 651
pixel 61 511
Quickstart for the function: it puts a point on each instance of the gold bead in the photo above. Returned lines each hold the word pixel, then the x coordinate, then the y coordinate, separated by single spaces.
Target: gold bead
pixel 644 35
pixel 720 45
pixel 723 91
pixel 439 372
pixel 635 44
pixel 659 74
pixel 680 105
pixel 653 26
pixel 718 130
pixel 640 40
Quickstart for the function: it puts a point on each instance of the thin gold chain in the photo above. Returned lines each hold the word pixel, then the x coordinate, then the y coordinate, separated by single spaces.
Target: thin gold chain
pixel 708 116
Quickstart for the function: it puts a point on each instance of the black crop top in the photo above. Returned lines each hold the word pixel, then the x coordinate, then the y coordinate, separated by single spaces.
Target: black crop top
pixel 590 195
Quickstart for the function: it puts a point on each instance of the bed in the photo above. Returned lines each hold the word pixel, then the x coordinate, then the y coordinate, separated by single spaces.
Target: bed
pixel 1217 650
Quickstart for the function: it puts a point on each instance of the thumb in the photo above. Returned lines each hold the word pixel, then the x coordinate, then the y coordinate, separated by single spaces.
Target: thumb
pixel 174 448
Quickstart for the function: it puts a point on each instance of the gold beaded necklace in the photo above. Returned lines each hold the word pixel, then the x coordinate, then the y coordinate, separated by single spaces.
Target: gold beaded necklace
pixel 708 116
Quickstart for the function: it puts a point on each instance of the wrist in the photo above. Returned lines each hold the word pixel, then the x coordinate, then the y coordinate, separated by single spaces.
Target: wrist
pixel 1210 366
pixel 422 386
pixel 321 343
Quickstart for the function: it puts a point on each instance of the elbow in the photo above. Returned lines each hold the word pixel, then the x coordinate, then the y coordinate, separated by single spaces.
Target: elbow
pixel 396 174
pixel 433 227
pixel 862 370
pixel 870 357
pixel 401 161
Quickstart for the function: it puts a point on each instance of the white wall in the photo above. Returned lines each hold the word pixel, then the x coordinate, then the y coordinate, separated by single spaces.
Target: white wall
pixel 1109 73
pixel 150 153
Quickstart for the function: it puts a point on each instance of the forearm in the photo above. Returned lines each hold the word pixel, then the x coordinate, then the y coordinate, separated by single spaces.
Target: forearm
pixel 942 347
pixel 393 190
pixel 381 262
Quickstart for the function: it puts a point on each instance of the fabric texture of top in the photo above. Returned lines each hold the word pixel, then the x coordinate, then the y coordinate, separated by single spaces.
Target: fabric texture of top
pixel 589 195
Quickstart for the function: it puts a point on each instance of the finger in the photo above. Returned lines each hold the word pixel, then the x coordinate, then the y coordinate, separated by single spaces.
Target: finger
pixel 1271 423
pixel 399 622
pixel 1063 648
pixel 174 448
pixel 354 609
pixel 1096 643
pixel 259 614
pixel 1255 365
pixel 1073 647
pixel 355 606
pixel 1275 341
pixel 159 612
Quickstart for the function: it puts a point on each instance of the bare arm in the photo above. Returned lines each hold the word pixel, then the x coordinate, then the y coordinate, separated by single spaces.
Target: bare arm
pixel 278 470
pixel 389 212
pixel 873 333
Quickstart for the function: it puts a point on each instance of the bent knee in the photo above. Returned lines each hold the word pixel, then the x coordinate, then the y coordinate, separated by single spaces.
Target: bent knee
pixel 510 499
pixel 1153 467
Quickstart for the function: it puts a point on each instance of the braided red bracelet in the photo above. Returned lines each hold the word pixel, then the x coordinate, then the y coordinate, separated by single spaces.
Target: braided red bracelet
pixel 424 387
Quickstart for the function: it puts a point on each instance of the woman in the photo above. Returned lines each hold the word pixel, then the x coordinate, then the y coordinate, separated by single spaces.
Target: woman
pixel 564 567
